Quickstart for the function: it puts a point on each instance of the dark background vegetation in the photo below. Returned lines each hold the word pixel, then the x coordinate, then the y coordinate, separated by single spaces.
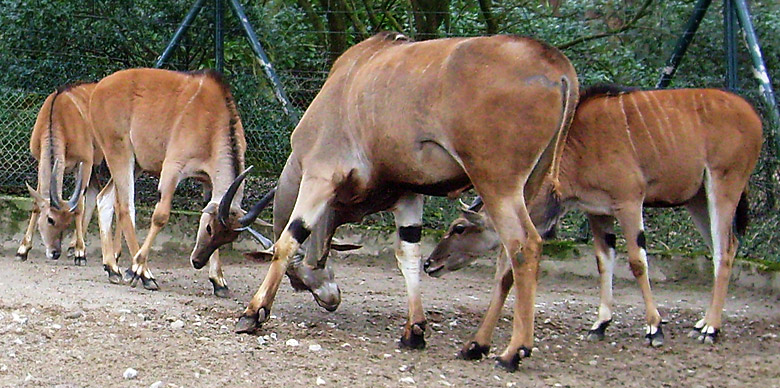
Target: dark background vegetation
pixel 47 43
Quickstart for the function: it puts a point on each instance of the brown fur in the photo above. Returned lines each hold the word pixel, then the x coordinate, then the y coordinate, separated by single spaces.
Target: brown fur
pixel 628 149
pixel 174 125
pixel 397 120
pixel 62 132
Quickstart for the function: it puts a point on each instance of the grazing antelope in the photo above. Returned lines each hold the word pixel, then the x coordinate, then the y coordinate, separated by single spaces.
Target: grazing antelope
pixel 61 139
pixel 396 120
pixel 627 149
pixel 174 125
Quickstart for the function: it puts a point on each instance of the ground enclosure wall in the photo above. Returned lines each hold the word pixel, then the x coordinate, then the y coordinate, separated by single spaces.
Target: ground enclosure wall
pixel 44 44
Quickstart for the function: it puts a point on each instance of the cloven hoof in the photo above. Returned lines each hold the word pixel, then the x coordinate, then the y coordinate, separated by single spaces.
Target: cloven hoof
pixel 22 256
pixel 513 362
pixel 415 337
pixel 220 291
pixel 148 283
pixel 114 277
pixel 597 334
pixel 473 351
pixel 79 260
pixel 656 339
pixel 248 324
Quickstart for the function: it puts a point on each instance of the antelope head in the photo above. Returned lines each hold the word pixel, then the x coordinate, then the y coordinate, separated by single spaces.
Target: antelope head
pixel 469 236
pixel 221 223
pixel 55 214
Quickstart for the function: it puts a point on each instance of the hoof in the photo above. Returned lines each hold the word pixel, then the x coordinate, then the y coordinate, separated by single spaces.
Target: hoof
pixel 473 351
pixel 248 324
pixel 149 283
pixel 22 256
pixel 655 339
pixel 414 338
pixel 114 277
pixel 79 260
pixel 220 291
pixel 706 335
pixel 128 276
pixel 512 363
pixel 597 334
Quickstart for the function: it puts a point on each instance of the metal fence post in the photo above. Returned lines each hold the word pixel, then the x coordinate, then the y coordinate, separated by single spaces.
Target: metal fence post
pixel 683 43
pixel 759 67
pixel 264 61
pixel 185 24
pixel 730 38
pixel 219 36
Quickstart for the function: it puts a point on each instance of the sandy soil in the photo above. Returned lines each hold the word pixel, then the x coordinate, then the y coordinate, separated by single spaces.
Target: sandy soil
pixel 66 326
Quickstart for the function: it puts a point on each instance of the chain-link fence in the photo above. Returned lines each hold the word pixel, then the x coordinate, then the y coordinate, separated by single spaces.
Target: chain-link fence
pixel 45 44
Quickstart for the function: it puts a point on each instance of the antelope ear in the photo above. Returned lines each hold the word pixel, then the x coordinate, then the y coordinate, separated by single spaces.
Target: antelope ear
pixel 211 208
pixel 475 218
pixel 36 195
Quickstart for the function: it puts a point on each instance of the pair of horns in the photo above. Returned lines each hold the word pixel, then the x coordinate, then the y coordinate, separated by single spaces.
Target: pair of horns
pixel 227 200
pixel 54 191
pixel 475 206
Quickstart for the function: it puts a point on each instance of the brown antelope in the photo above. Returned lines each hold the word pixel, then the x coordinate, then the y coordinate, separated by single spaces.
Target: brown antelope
pixel 627 149
pixel 174 125
pixel 396 120
pixel 61 139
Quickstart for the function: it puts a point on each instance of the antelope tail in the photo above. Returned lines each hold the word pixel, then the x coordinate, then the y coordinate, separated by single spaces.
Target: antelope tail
pixel 570 98
pixel 551 156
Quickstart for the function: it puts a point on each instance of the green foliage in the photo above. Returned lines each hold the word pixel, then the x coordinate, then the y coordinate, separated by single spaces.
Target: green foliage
pixel 47 43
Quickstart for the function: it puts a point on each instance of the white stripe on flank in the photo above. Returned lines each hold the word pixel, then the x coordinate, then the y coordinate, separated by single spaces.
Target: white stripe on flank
pixel 625 123
pixel 644 124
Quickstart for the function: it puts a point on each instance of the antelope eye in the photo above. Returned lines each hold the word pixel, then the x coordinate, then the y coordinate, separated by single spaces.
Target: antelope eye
pixel 208 229
pixel 458 229
pixel 50 220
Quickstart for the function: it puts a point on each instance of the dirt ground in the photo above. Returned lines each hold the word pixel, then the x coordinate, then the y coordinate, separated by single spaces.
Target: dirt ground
pixel 66 326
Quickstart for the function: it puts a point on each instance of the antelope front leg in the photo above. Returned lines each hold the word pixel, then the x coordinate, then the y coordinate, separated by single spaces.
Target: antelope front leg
pixel 479 346
pixel 604 241
pixel 630 218
pixel 216 277
pixel 315 194
pixel 26 245
pixel 169 178
pixel 106 200
pixel 408 220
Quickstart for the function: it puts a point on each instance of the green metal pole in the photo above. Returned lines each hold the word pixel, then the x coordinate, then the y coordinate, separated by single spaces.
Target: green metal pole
pixel 185 24
pixel 759 67
pixel 219 36
pixel 730 38
pixel 264 61
pixel 683 43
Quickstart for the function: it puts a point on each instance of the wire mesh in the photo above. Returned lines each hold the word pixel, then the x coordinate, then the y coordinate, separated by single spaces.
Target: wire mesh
pixel 45 44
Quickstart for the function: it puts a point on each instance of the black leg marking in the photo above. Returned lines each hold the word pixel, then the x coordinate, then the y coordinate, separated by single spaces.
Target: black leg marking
pixel 299 231
pixel 473 351
pixel 640 240
pixel 416 337
pixel 410 234
pixel 700 335
pixel 597 334
pixel 79 260
pixel 655 340
pixel 611 240
pixel 22 256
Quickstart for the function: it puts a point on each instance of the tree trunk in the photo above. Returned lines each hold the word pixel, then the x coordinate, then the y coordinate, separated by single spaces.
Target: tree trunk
pixel 428 16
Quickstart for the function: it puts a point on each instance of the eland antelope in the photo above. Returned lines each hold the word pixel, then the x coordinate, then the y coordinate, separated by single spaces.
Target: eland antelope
pixel 629 149
pixel 396 120
pixel 61 140
pixel 174 125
